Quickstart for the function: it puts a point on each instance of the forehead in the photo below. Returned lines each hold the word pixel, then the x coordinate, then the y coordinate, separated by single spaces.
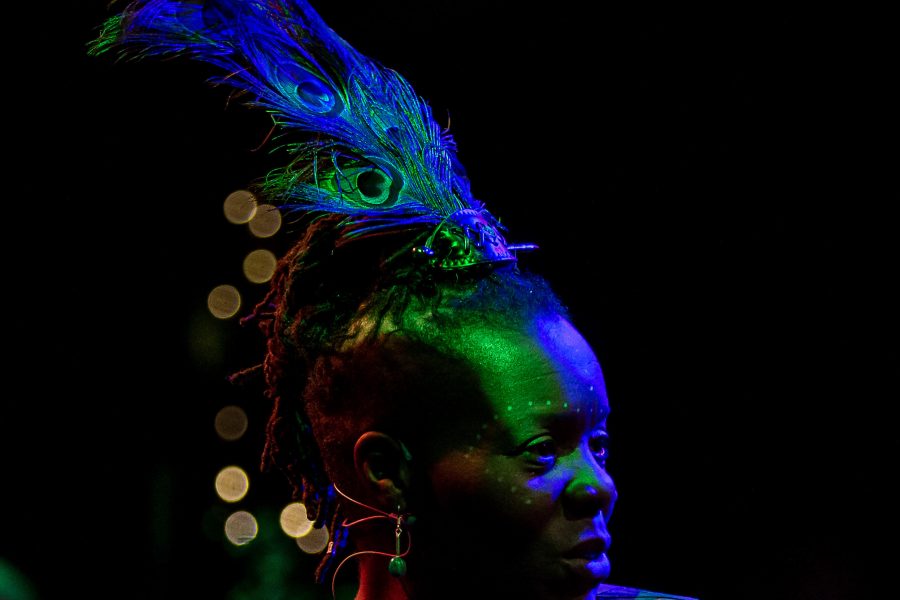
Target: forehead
pixel 547 368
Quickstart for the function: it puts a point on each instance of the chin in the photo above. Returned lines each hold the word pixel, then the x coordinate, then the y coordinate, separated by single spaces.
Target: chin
pixel 582 576
pixel 572 580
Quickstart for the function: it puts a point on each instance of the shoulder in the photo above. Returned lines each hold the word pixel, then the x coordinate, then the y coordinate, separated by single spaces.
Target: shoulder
pixel 605 592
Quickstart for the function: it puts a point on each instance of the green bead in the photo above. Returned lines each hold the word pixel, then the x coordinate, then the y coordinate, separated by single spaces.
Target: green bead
pixel 397 566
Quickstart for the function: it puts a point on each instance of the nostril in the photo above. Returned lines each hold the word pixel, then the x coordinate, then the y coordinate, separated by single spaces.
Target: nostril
pixel 585 499
pixel 590 491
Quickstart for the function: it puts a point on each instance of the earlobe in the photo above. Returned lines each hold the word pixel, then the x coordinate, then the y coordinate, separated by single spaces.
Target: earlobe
pixel 382 465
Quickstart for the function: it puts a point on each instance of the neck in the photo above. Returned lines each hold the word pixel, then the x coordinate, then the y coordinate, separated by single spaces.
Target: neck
pixel 376 583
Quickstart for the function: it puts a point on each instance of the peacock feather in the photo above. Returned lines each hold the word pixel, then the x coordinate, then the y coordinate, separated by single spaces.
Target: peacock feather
pixel 368 146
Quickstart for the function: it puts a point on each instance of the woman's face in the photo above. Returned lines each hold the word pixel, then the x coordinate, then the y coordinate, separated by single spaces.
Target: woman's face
pixel 524 499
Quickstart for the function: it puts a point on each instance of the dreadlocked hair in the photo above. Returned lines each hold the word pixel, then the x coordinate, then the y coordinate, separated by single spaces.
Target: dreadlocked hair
pixel 329 296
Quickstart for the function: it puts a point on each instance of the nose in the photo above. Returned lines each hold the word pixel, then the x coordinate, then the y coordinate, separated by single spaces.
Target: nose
pixel 591 491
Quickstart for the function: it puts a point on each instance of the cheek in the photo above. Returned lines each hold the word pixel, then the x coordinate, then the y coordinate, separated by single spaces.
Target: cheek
pixel 494 490
pixel 457 479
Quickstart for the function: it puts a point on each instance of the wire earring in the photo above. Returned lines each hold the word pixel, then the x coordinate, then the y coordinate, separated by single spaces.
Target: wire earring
pixel 397 566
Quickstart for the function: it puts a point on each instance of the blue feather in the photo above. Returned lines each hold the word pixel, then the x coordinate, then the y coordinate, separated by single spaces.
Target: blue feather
pixel 371 148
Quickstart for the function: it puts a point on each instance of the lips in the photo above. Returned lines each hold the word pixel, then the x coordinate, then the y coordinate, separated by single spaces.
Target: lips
pixel 590 549
pixel 586 562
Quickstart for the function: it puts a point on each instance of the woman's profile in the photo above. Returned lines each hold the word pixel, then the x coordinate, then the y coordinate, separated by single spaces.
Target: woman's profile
pixel 433 404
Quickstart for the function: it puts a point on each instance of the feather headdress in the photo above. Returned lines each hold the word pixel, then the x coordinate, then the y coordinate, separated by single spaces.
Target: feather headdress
pixel 371 149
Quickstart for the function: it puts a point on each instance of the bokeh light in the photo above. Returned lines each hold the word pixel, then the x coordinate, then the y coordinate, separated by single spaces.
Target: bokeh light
pixel 224 301
pixel 294 520
pixel 240 207
pixel 241 528
pixel 231 423
pixel 266 222
pixel 315 541
pixel 259 266
pixel 232 484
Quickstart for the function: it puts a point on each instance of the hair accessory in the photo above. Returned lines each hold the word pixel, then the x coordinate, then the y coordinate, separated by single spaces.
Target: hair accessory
pixel 371 150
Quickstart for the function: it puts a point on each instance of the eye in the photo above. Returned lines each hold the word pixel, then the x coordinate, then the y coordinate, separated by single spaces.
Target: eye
pixel 599 444
pixel 542 452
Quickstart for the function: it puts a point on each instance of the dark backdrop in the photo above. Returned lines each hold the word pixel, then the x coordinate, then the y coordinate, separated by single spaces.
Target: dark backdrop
pixel 700 185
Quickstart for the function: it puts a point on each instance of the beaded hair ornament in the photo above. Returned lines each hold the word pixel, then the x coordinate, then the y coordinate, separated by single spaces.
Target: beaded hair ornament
pixel 370 149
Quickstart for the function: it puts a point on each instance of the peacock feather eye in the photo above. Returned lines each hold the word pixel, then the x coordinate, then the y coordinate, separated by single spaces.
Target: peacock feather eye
pixel 307 89
pixel 315 95
pixel 374 186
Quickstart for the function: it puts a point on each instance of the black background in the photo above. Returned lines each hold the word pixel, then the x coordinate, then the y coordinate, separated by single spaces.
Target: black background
pixel 701 184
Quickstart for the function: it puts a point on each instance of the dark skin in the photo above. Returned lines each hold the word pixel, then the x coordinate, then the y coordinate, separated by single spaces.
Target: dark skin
pixel 519 505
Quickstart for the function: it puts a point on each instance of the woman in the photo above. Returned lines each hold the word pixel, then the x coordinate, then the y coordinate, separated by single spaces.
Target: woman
pixel 470 403
pixel 433 405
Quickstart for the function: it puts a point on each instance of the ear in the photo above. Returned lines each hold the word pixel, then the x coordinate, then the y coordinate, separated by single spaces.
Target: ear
pixel 383 467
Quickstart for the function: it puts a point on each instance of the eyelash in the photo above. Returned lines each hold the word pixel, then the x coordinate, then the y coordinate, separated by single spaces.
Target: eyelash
pixel 543 451
pixel 547 457
pixel 599 443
